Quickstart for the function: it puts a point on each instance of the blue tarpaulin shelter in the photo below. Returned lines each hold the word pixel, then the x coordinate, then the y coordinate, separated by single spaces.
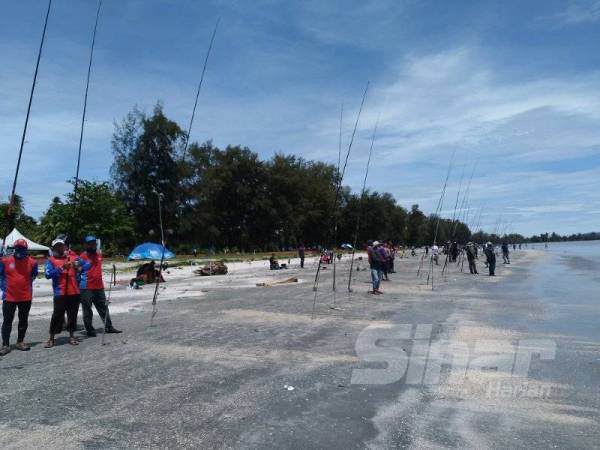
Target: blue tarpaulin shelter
pixel 149 250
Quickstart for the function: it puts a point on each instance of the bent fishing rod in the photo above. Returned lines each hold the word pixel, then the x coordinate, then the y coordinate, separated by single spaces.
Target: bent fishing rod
pixel 337 194
pixel 11 201
pixel 361 206
pixel 189 130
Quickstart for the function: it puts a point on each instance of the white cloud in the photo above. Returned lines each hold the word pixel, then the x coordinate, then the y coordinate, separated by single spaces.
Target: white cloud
pixel 579 12
pixel 458 99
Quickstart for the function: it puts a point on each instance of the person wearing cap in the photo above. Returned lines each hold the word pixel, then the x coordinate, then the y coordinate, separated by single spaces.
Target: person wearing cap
pixel 383 261
pixel 63 269
pixel 435 254
pixel 471 253
pixel 490 258
pixel 374 259
pixel 17 273
pixel 92 288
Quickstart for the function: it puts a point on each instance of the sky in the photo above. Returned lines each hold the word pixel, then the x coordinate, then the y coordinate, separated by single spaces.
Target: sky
pixel 508 91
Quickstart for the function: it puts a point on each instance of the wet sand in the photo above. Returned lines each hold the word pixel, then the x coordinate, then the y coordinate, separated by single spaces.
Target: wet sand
pixel 212 371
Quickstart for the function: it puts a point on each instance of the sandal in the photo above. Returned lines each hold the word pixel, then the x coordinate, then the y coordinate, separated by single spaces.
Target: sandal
pixel 73 341
pixel 23 346
pixel 49 343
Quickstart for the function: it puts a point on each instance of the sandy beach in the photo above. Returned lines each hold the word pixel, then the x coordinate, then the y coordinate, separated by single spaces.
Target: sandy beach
pixel 228 364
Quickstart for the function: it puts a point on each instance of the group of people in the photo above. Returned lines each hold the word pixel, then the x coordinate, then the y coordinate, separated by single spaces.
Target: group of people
pixel 381 257
pixel 76 279
pixel 472 250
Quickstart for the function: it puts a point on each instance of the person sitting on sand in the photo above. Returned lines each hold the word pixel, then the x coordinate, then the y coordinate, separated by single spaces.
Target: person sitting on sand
pixel 273 263
pixel 146 274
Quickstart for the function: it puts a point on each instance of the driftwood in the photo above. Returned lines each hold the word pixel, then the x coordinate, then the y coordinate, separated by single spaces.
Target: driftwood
pixel 212 268
pixel 275 283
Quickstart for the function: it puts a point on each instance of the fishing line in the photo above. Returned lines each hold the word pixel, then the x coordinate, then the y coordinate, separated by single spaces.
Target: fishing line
pixel 85 99
pixel 337 192
pixel 189 130
pixel 9 211
pixel 362 201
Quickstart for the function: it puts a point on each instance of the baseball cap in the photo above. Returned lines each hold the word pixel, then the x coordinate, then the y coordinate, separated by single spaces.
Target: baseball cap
pixel 21 243
pixel 57 241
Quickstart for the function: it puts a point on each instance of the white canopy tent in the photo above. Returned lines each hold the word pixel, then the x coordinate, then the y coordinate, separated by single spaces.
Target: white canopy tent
pixel 15 235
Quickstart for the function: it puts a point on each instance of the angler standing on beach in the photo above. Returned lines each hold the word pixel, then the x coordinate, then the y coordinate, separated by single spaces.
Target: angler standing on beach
pixel 505 253
pixel 491 258
pixel 373 256
pixel 453 251
pixel 471 254
pixel 63 269
pixel 384 260
pixel 301 254
pixel 17 273
pixel 435 254
pixel 92 288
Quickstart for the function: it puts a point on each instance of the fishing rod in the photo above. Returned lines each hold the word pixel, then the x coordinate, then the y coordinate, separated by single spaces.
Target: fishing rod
pixel 362 201
pixel 438 213
pixel 465 199
pixel 162 258
pixel 113 281
pixel 337 193
pixel 189 130
pixel 454 215
pixel 333 212
pixel 85 99
pixel 464 214
pixel 11 201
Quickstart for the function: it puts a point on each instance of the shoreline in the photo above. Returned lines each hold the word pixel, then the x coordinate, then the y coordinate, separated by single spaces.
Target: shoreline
pixel 212 371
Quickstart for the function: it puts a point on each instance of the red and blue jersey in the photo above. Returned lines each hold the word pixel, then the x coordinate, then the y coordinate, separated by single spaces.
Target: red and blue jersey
pixel 64 281
pixel 16 278
pixel 91 276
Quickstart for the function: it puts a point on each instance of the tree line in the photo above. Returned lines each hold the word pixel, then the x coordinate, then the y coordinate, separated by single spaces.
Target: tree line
pixel 224 199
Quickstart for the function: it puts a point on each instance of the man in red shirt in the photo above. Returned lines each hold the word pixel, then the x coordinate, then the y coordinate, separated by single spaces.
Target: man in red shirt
pixel 63 269
pixel 92 288
pixel 17 273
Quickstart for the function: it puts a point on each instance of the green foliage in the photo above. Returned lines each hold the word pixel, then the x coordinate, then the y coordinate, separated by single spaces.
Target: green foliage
pixel 231 199
pixel 146 151
pixel 18 219
pixel 95 209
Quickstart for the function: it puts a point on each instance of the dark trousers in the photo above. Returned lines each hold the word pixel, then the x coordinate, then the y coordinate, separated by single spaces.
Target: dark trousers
pixel 8 313
pixel 97 298
pixel 384 269
pixel 492 268
pixel 64 304
pixel 472 266
pixel 302 262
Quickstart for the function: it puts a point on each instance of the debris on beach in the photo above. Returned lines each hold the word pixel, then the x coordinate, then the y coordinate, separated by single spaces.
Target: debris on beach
pixel 212 268
pixel 275 283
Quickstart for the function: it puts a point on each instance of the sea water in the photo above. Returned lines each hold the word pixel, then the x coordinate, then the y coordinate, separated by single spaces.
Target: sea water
pixel 566 280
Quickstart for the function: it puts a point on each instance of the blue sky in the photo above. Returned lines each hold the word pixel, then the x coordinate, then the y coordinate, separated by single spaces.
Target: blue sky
pixel 513 87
